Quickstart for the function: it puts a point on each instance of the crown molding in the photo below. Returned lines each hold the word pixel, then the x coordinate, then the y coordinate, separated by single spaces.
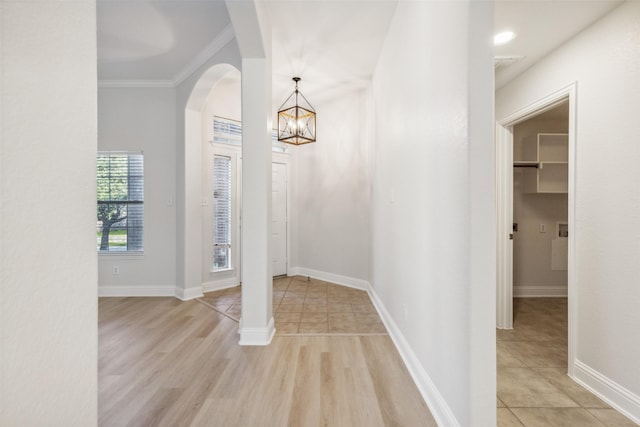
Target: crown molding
pixel 220 41
pixel 136 83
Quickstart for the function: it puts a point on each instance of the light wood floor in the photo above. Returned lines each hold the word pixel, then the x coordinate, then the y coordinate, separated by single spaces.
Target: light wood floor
pixel 163 362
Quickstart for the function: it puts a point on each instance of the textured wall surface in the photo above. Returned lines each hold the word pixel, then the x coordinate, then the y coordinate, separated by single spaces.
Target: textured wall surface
pixel 143 120
pixel 48 263
pixel 433 206
pixel 332 191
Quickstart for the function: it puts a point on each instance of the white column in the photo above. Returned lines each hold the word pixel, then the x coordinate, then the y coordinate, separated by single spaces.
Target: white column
pixel 482 225
pixel 256 324
pixel 189 214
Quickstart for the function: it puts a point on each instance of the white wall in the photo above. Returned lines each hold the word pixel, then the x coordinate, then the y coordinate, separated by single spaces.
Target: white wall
pixel 48 262
pixel 152 120
pixel 329 184
pixel 224 100
pixel 532 272
pixel 332 192
pixel 433 264
pixel 143 119
pixel 605 62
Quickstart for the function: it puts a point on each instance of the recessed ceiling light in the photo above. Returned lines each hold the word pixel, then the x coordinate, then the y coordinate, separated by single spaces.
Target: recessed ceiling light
pixel 503 38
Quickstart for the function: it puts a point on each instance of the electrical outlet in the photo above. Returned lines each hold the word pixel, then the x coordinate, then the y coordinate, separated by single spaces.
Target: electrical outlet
pixel 543 228
pixel 116 269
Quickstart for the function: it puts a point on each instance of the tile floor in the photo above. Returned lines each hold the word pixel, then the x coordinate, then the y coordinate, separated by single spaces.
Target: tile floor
pixel 311 306
pixel 533 387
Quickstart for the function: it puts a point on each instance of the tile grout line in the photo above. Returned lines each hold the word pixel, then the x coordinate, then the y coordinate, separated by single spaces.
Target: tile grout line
pixel 217 311
pixel 325 296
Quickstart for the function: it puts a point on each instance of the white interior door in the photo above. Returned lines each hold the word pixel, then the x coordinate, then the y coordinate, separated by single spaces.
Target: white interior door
pixel 279 218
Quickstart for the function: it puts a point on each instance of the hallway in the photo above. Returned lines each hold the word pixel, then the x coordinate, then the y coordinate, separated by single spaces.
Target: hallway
pixel 533 387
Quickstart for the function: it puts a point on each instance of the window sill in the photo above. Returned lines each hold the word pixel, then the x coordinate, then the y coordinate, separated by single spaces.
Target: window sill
pixel 123 254
pixel 223 270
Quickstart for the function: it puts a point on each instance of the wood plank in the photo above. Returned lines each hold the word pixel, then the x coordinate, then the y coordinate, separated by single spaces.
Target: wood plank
pixel 168 363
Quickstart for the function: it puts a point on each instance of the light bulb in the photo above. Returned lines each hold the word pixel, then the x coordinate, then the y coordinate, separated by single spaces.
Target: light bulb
pixel 503 38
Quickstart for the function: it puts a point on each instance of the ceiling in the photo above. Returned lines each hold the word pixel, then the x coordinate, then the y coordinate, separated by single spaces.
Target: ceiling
pixel 541 26
pixel 333 45
pixel 155 40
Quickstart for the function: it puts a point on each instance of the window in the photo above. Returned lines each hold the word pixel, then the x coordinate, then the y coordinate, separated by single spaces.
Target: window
pixel 227 131
pixel 120 185
pixel 221 212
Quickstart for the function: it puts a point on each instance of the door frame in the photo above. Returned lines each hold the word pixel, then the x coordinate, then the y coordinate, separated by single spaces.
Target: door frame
pixel 285 159
pixel 504 211
pixel 233 276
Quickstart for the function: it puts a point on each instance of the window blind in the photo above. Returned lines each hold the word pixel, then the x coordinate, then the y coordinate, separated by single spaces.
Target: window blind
pixel 221 212
pixel 120 204
pixel 227 131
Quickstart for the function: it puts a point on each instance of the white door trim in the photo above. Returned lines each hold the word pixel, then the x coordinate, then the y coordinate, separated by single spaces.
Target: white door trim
pixel 285 162
pixel 285 158
pixel 504 215
pixel 504 210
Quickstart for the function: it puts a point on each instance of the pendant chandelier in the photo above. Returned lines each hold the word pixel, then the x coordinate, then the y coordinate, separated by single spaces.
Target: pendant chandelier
pixel 296 119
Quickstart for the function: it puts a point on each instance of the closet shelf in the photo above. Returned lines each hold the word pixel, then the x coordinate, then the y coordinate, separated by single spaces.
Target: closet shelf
pixel 526 164
pixel 546 165
pixel 553 162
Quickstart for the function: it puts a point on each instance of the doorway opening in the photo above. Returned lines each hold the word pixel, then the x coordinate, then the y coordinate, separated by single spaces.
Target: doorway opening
pixel 539 238
pixel 541 177
pixel 540 204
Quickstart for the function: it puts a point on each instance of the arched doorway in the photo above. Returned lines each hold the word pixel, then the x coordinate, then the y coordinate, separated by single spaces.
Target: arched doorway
pixel 191 95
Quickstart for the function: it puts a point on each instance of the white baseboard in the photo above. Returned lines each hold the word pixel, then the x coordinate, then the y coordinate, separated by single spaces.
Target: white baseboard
pixel 432 397
pixel 136 291
pixel 150 291
pixel 350 282
pixel 188 293
pixel 218 285
pixel 257 336
pixel 623 400
pixel 539 291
